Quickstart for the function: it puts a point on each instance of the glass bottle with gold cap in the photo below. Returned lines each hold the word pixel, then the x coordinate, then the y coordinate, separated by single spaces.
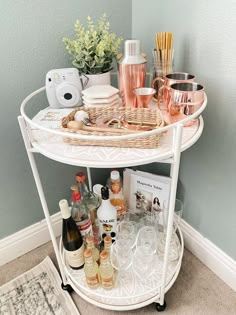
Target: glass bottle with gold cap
pixel 106 271
pixel 91 269
pixel 91 245
pixel 107 243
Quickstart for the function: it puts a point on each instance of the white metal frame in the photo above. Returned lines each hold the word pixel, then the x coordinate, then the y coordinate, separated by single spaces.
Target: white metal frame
pixel 26 124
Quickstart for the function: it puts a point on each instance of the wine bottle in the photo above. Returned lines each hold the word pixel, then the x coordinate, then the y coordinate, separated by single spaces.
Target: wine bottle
pixel 107 217
pixel 71 238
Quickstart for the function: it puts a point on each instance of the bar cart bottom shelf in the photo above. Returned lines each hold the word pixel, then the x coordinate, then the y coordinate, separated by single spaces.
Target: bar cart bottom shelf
pixel 129 292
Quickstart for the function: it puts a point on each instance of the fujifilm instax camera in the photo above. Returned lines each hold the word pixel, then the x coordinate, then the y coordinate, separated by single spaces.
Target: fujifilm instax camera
pixel 63 88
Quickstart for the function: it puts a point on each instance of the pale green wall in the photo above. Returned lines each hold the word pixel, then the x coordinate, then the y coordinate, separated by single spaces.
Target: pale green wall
pixel 205 45
pixel 31 44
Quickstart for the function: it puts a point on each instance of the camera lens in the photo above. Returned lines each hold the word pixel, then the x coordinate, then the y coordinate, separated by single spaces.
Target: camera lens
pixel 68 96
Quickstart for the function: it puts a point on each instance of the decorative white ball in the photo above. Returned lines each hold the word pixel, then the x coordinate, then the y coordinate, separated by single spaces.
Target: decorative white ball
pixel 80 115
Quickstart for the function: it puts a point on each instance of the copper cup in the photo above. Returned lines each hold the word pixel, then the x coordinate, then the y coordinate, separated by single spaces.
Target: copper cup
pixel 144 96
pixel 165 83
pixel 185 99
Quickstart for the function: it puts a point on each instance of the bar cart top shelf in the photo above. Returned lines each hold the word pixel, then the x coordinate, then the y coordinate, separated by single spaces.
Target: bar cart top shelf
pixel 49 142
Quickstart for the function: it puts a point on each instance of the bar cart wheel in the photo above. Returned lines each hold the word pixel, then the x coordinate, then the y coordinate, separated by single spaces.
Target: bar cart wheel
pixel 160 308
pixel 67 287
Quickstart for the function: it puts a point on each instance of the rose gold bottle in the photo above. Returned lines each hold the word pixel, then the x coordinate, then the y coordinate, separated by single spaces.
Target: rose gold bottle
pixel 131 72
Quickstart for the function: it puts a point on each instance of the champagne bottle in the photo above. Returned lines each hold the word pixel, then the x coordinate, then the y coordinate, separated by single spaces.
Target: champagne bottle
pixel 107 217
pixel 71 238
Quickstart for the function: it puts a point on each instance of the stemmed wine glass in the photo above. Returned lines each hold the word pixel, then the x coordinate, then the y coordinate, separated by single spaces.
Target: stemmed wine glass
pixel 147 236
pixel 144 262
pixel 126 231
pixel 174 243
pixel 121 256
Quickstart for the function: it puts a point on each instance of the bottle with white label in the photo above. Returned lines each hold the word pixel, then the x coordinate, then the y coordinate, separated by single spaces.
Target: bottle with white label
pixel 80 213
pixel 71 238
pixel 107 217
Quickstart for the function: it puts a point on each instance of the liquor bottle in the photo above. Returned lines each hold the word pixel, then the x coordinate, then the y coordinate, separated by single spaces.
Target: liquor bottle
pixel 80 213
pixel 91 269
pixel 71 238
pixel 117 198
pixel 92 200
pixel 106 271
pixel 107 218
pixel 91 245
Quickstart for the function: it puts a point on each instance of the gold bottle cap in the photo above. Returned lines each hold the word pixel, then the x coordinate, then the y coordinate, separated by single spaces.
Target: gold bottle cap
pixel 107 239
pixel 74 188
pixel 80 177
pixel 88 253
pixel 104 254
pixel 90 239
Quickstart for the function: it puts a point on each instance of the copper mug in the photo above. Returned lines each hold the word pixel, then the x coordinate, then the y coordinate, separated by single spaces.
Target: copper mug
pixel 185 99
pixel 165 83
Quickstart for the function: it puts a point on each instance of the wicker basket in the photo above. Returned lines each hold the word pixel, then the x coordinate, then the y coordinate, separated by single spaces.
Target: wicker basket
pixel 138 115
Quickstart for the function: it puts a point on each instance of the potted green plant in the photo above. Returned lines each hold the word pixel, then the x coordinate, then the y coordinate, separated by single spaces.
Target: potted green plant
pixel 94 47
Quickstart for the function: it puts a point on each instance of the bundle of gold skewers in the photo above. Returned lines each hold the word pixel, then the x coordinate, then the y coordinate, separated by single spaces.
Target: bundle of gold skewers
pixel 163 53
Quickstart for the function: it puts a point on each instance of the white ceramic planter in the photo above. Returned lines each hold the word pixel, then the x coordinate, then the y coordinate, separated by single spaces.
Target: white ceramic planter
pixel 98 79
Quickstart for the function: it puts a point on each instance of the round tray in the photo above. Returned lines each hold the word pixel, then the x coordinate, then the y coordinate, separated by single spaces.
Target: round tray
pixel 129 291
pixel 49 142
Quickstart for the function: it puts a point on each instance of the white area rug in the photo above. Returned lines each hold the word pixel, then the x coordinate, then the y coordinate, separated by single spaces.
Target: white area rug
pixel 36 292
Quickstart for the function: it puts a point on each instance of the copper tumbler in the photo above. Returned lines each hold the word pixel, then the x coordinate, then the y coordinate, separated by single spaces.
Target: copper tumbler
pixel 165 83
pixel 185 99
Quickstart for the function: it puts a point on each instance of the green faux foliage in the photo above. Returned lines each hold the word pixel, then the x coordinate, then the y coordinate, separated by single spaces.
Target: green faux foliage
pixel 94 46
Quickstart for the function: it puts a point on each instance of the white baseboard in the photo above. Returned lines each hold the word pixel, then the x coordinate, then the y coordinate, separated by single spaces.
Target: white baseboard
pixel 213 257
pixel 28 239
pixel 37 234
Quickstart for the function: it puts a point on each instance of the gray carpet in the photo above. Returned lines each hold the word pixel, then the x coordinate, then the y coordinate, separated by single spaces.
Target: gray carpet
pixel 197 290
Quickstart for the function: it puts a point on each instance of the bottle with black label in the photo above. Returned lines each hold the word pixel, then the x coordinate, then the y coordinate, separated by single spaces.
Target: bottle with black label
pixel 107 216
pixel 71 238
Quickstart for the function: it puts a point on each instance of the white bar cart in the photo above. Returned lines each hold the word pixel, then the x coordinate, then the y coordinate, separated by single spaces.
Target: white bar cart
pixel 132 294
